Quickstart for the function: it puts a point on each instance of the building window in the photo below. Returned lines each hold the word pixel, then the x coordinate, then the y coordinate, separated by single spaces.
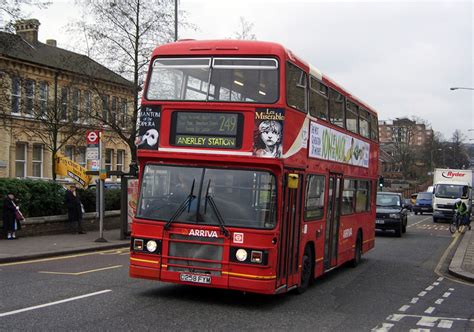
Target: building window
pixel 87 105
pixel 43 97
pixel 38 160
pixel 69 152
pixel 64 103
pixel 16 94
pixel 30 96
pixel 314 202
pixel 76 99
pixel 105 109
pixel 120 160
pixel 114 110
pixel 20 160
pixel 108 159
pixel 123 111
pixel 295 87
pixel 81 156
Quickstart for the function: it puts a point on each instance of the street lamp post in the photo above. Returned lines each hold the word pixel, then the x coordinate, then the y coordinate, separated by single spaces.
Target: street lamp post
pixel 460 88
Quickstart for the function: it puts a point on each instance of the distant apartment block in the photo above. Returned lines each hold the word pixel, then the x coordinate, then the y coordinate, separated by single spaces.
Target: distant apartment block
pixel 404 130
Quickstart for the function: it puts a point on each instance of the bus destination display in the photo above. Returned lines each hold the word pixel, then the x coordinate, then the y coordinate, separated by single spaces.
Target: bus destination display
pixel 206 130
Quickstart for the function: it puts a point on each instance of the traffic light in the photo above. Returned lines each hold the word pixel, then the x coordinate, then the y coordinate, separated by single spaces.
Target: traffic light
pixel 381 182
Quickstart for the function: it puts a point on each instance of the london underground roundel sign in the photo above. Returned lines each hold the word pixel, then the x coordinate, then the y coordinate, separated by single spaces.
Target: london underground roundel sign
pixel 92 137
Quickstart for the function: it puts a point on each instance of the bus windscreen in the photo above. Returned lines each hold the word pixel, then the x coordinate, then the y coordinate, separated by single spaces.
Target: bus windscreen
pixel 249 80
pixel 243 198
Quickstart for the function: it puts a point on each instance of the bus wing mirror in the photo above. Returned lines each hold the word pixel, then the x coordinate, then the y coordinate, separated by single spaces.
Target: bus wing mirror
pixel 293 180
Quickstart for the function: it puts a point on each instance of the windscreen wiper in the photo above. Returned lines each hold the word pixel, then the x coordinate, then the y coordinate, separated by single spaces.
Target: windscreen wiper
pixel 182 207
pixel 216 211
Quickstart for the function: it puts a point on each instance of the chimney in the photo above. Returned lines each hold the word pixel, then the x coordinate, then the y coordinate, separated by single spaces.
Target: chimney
pixel 28 30
pixel 51 42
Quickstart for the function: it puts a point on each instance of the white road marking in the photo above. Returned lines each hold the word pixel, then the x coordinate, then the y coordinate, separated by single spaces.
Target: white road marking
pixel 446 294
pixel 53 303
pixel 430 310
pixel 439 301
pixel 414 300
pixel 427 321
pixel 451 289
pixel 440 279
pixel 385 327
pixel 445 324
pixel 418 222
pixel 423 293
pixel 429 288
pixel 419 330
pixel 435 283
pixel 404 308
pixel 395 317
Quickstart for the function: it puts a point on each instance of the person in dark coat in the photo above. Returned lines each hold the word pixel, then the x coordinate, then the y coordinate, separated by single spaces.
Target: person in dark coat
pixel 9 209
pixel 74 208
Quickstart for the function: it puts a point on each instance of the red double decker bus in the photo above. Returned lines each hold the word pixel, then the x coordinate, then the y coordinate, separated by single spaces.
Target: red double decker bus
pixel 257 172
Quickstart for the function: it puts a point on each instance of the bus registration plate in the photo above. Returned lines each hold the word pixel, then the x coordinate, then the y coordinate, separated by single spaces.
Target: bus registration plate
pixel 196 278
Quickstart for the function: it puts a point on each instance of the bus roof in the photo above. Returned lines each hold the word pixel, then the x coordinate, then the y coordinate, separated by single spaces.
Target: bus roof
pixel 249 47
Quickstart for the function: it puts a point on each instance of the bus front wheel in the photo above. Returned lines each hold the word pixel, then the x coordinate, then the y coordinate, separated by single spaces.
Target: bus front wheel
pixel 306 270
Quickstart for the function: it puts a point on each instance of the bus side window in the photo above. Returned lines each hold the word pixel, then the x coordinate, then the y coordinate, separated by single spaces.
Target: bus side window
pixel 352 117
pixel 296 84
pixel 374 128
pixel 314 198
pixel 318 99
pixel 336 108
pixel 364 123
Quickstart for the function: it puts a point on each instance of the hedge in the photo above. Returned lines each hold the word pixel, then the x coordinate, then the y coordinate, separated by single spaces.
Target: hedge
pixel 38 198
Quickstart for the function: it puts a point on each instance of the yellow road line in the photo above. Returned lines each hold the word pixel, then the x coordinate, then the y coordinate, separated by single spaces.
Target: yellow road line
pixel 56 258
pixel 83 272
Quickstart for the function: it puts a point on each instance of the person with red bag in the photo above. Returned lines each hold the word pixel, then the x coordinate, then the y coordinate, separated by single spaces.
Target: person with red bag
pixel 9 216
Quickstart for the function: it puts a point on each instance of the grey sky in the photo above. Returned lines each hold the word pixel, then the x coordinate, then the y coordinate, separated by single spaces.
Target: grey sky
pixel 401 57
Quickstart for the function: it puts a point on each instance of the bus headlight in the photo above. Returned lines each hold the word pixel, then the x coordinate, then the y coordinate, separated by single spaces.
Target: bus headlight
pixel 151 246
pixel 241 255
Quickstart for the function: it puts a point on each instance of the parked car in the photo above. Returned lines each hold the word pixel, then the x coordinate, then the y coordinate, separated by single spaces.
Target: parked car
pixel 391 213
pixel 107 185
pixel 424 203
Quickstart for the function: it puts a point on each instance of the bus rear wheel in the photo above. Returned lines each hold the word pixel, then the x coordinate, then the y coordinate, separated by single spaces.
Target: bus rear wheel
pixel 357 252
pixel 306 270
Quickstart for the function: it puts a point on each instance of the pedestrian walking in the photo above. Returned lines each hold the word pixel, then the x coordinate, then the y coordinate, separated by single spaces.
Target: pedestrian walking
pixel 9 220
pixel 74 208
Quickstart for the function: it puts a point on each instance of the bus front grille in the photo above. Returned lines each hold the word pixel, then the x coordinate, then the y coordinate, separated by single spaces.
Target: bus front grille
pixel 186 254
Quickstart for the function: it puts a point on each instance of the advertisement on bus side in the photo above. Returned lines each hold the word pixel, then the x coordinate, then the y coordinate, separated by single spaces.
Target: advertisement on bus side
pixel 329 144
pixel 149 128
pixel 268 132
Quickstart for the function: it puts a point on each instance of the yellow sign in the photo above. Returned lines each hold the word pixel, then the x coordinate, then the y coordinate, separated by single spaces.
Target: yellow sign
pixel 67 167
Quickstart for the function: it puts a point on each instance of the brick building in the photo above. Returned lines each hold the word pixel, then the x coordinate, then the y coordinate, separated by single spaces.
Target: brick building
pixel 404 130
pixel 42 84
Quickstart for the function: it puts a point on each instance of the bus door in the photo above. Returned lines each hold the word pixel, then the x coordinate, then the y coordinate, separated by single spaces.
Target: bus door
pixel 332 220
pixel 290 234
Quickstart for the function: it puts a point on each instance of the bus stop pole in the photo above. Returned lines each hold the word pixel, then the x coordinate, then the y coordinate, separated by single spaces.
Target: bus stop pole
pixel 101 194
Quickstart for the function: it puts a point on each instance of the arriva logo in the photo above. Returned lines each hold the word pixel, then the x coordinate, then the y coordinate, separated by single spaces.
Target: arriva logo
pixel 451 174
pixel 202 232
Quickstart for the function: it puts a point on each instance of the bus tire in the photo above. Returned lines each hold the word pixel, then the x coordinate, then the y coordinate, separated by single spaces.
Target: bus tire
pixel 306 270
pixel 357 251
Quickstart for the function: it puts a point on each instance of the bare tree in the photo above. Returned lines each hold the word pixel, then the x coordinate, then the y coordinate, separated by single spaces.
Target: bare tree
pixel 12 10
pixel 244 31
pixel 460 156
pixel 122 36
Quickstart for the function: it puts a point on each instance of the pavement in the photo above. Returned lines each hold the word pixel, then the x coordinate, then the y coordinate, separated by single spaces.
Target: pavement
pixel 35 247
